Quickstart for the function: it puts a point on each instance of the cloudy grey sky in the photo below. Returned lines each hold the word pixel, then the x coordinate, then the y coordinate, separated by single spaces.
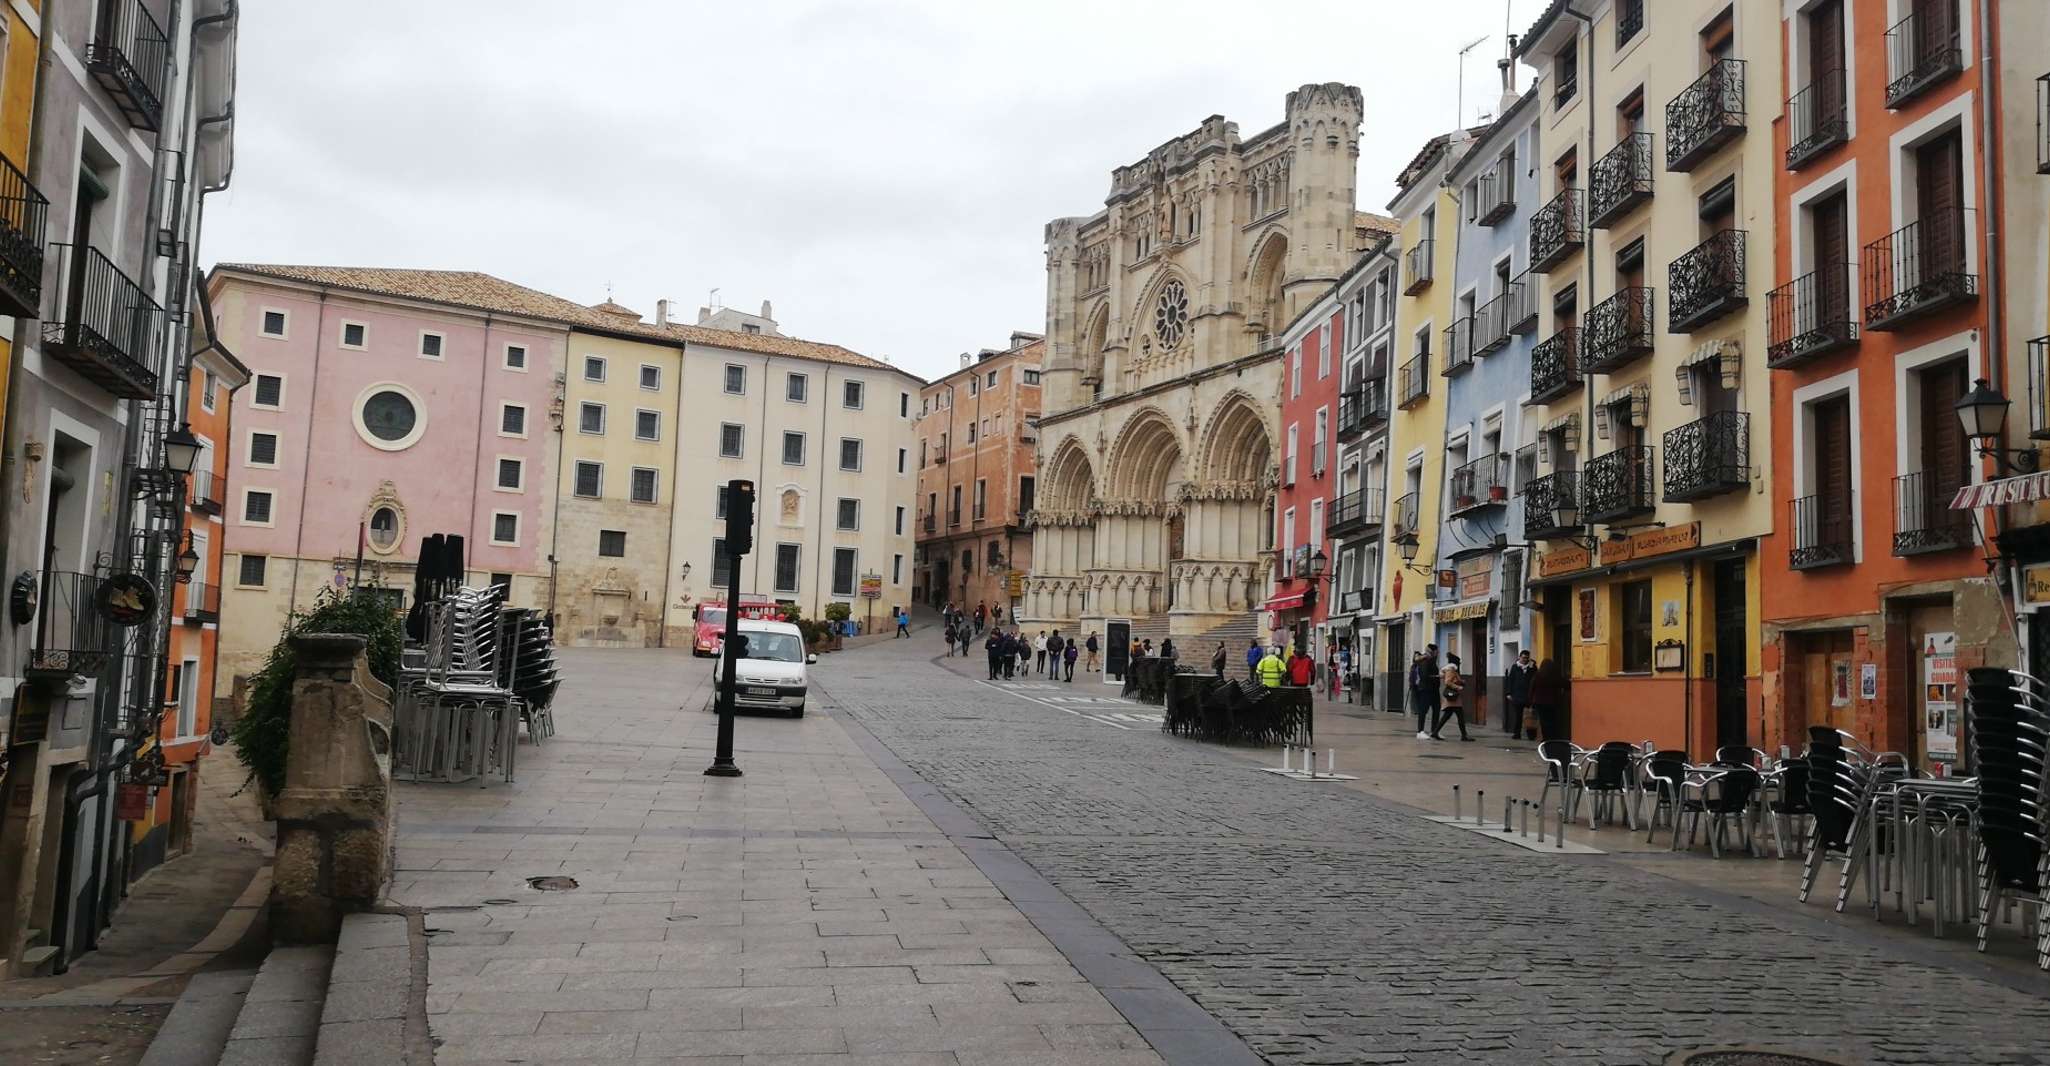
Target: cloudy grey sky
pixel 882 171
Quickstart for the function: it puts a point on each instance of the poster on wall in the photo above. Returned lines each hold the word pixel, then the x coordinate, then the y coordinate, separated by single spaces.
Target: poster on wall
pixel 1868 681
pixel 1586 603
pixel 1840 684
pixel 1939 687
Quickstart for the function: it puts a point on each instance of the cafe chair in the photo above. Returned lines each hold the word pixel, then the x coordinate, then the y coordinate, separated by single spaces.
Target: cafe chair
pixel 1561 759
pixel 1605 779
pixel 1721 796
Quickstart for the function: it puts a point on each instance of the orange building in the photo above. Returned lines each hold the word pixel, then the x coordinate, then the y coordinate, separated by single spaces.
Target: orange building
pixel 1875 591
pixel 976 431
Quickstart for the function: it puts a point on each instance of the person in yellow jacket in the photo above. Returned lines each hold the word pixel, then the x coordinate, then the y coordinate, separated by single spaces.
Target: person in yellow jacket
pixel 1271 671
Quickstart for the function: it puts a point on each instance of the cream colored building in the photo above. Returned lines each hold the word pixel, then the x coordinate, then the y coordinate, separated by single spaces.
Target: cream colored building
pixel 1158 445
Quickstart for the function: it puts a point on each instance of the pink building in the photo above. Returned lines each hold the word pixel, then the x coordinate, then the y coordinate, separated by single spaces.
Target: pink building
pixel 434 419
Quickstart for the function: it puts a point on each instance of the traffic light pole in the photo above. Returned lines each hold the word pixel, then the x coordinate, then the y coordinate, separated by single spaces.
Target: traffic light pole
pixel 740 510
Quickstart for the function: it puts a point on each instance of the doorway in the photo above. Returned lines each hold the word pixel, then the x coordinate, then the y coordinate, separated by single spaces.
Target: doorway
pixel 1559 649
pixel 1732 654
pixel 1478 631
pixel 1825 660
pixel 1396 677
pixel 1117 649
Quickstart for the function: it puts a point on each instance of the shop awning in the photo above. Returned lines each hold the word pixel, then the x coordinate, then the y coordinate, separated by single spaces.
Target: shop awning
pixel 1287 601
pixel 2028 488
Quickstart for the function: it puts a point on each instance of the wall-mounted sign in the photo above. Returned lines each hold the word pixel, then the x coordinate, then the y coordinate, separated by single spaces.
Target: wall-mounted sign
pixel 1462 612
pixel 126 599
pixel 871 586
pixel 2036 585
pixel 1669 655
pixel 1587 623
pixel 1563 561
pixel 131 801
pixel 1651 544
pixel 1476 576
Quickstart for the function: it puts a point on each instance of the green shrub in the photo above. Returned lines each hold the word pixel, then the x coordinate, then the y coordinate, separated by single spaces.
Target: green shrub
pixel 263 735
pixel 838 612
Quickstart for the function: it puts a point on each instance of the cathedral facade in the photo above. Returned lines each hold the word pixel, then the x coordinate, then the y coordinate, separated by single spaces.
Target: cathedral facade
pixel 1158 443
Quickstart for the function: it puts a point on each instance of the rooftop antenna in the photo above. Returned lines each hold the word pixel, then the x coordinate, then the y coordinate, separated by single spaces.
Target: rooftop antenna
pixel 1459 117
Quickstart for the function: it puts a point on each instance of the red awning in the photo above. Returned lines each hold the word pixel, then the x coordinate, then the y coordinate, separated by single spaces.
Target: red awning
pixel 1287 601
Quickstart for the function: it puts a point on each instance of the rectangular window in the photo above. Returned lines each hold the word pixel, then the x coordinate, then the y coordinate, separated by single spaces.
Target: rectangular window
pixel 1031 377
pixel 903 405
pixel 651 377
pixel 787 558
pixel 353 335
pixel 1633 609
pixel 843 571
pixel 850 454
pixel 1565 75
pixel 729 440
pixel 430 345
pixel 516 357
pixel 501 581
pixel 590 481
pixel 900 521
pixel 1025 488
pixel 644 484
pixel 274 324
pixel 594 368
pixel 896 569
pixel 263 449
pixel 207 390
pixel 848 516
pixel 850 395
pixel 992 383
pixel 903 459
pixel 647 424
pixel 256 507
pixel 512 473
pixel 591 418
pixel 736 379
pixel 270 391
pixel 1295 371
pixel 1317 442
pixel 796 387
pixel 793 448
pixel 981 498
pixel 612 543
pixel 512 420
pixel 719 503
pixel 974 385
pixel 972 434
pixel 722 564
pixel 505 528
pixel 252 571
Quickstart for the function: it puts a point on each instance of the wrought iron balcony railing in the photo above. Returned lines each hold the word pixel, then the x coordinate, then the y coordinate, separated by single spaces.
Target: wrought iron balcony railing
pixel 1458 346
pixel 2037 366
pixel 23 213
pixel 1706 282
pixel 1618 486
pixel 106 327
pixel 1818 118
pixel 202 601
pixel 1706 115
pixel 1542 497
pixel 1616 331
pixel 930 523
pixel 1555 365
pixel 1708 457
pixel 1413 381
pixel 1495 193
pixel 1491 320
pixel 1620 180
pixel 1922 519
pixel 1922 49
pixel 1481 483
pixel 1810 316
pixel 1557 230
pixel 1629 20
pixel 1361 407
pixel 209 491
pixel 1915 270
pixel 1821 527
pixel 1417 267
pixel 1405 515
pixel 129 57
pixel 73 639
pixel 1356 511
pixel 1522 312
pixel 2043 124
pixel 1376 407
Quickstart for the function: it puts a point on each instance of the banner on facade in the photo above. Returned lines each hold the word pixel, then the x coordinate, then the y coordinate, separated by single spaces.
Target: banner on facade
pixel 1939 699
pixel 1563 561
pixel 2028 488
pixel 1476 576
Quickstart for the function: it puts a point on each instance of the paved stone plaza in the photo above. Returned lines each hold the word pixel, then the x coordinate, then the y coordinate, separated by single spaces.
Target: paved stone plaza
pixel 831 907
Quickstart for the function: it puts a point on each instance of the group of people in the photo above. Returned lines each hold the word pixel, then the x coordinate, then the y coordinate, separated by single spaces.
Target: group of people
pixel 1012 653
pixel 1272 667
pixel 1531 689
pixel 983 616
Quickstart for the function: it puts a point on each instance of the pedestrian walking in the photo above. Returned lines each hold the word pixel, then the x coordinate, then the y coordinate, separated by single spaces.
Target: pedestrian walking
pixel 1451 686
pixel 1217 660
pixel 1547 692
pixel 1068 657
pixel 1516 690
pixel 995 647
pixel 1345 670
pixel 1270 669
pixel 1039 653
pixel 1167 651
pixel 903 624
pixel 981 616
pixel 949 631
pixel 1413 683
pixel 1301 670
pixel 1054 646
pixel 1254 653
pixel 1428 691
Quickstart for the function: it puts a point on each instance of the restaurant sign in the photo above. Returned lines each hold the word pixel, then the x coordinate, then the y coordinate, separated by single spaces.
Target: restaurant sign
pixel 1476 576
pixel 1563 561
pixel 1463 611
pixel 2036 585
pixel 1652 543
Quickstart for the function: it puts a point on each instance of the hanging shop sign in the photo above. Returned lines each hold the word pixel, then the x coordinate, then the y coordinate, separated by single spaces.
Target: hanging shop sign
pixel 2036 585
pixel 1461 612
pixel 2028 488
pixel 1563 561
pixel 1939 699
pixel 131 801
pixel 126 599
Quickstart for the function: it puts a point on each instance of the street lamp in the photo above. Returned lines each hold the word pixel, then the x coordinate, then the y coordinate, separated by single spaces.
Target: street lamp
pixel 1566 515
pixel 1408 545
pixel 1983 411
pixel 181 449
pixel 188 562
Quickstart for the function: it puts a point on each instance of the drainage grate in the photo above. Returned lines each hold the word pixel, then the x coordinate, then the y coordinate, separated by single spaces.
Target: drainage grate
pixel 1746 1057
pixel 551 884
pixel 1428 756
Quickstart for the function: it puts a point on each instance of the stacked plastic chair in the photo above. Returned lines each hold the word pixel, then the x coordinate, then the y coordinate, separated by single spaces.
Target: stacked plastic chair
pixel 2009 726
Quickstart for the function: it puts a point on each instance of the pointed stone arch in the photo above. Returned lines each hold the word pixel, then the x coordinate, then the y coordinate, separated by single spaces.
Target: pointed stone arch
pixel 1266 273
pixel 1236 443
pixel 1070 476
pixel 1146 462
pixel 1095 337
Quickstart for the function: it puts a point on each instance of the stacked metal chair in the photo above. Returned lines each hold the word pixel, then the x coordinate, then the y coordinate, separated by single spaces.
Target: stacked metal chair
pixel 457 721
pixel 2009 726
pixel 528 667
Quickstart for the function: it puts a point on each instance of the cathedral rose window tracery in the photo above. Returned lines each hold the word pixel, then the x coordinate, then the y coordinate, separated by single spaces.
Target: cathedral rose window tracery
pixel 1171 315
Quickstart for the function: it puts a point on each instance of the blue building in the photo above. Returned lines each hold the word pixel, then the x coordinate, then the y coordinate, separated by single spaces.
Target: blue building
pixel 1490 447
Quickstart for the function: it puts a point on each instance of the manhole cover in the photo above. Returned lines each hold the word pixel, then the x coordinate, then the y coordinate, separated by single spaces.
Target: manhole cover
pixel 501 902
pixel 551 884
pixel 681 918
pixel 1746 1057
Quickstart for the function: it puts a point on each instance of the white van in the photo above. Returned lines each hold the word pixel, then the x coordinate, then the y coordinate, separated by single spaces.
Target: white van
pixel 771 676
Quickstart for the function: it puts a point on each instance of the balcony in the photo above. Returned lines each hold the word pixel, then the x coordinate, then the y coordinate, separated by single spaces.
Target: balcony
pixel 1541 500
pixel 930 523
pixel 2037 366
pixel 1616 331
pixel 1458 346
pixel 2043 124
pixel 1705 116
pixel 1619 180
pixel 1353 601
pixel 107 328
pixel 1361 408
pixel 1413 381
pixel 1817 118
pixel 1494 322
pixel 1555 366
pixel 1358 511
pixel 1556 231
pixel 1708 457
pixel 1629 20
pixel 1617 487
pixel 1922 50
pixel 954 518
pixel 72 638
pixel 1922 519
pixel 1480 484
pixel 939 456
pixel 1495 196
pixel 1417 265
pixel 209 491
pixel 1915 270
pixel 1706 282
pixel 1810 316
pixel 128 57
pixel 202 602
pixel 1821 528
pixel 23 212
pixel 1405 515
pixel 1522 312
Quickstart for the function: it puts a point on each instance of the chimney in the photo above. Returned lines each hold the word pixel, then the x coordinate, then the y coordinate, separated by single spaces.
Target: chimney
pixel 1507 65
pixel 703 314
pixel 767 312
pixel 967 359
pixel 661 312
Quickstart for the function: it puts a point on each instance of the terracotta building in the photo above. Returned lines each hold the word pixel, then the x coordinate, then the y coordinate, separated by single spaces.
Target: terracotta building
pixel 977 428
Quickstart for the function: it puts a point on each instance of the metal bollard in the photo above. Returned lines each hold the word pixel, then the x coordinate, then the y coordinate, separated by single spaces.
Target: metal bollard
pixel 1455 803
pixel 1310 762
pixel 1559 838
pixel 1541 825
pixel 1523 820
pixel 1330 760
pixel 1480 806
pixel 1508 804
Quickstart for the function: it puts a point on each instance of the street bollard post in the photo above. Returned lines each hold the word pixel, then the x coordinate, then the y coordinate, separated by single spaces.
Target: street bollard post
pixel 1523 820
pixel 1508 804
pixel 1480 806
pixel 1455 803
pixel 1541 825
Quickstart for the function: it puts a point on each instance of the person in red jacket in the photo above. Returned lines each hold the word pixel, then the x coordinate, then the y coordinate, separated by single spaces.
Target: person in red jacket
pixel 1299 669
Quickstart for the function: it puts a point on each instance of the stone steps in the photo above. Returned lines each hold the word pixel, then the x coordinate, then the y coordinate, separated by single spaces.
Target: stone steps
pixel 197 1031
pixel 280 1016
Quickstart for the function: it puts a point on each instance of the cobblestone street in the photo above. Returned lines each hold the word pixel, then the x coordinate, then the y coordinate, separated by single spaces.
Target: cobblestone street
pixel 1328 926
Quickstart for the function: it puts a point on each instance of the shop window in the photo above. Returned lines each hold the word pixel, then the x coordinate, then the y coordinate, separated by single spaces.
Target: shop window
pixel 1633 611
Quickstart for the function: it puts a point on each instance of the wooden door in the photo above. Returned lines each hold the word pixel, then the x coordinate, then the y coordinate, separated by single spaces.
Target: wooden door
pixel 1939 202
pixel 1825 680
pixel 1832 258
pixel 1833 466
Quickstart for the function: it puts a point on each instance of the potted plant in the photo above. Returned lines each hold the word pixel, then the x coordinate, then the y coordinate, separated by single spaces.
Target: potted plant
pixel 837 614
pixel 1498 493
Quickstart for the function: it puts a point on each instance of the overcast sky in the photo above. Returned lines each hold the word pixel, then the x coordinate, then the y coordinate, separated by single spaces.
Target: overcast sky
pixel 883 172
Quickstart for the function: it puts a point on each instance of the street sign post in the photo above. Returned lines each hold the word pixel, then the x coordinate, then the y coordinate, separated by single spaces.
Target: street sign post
pixel 740 530
pixel 871 590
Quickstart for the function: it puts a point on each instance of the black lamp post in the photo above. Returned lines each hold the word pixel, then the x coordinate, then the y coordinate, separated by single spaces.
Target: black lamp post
pixel 1983 411
pixel 1566 515
pixel 181 449
pixel 188 562
pixel 1408 545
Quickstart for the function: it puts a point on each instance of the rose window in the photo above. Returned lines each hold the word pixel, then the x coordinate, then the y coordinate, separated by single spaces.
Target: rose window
pixel 1171 315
